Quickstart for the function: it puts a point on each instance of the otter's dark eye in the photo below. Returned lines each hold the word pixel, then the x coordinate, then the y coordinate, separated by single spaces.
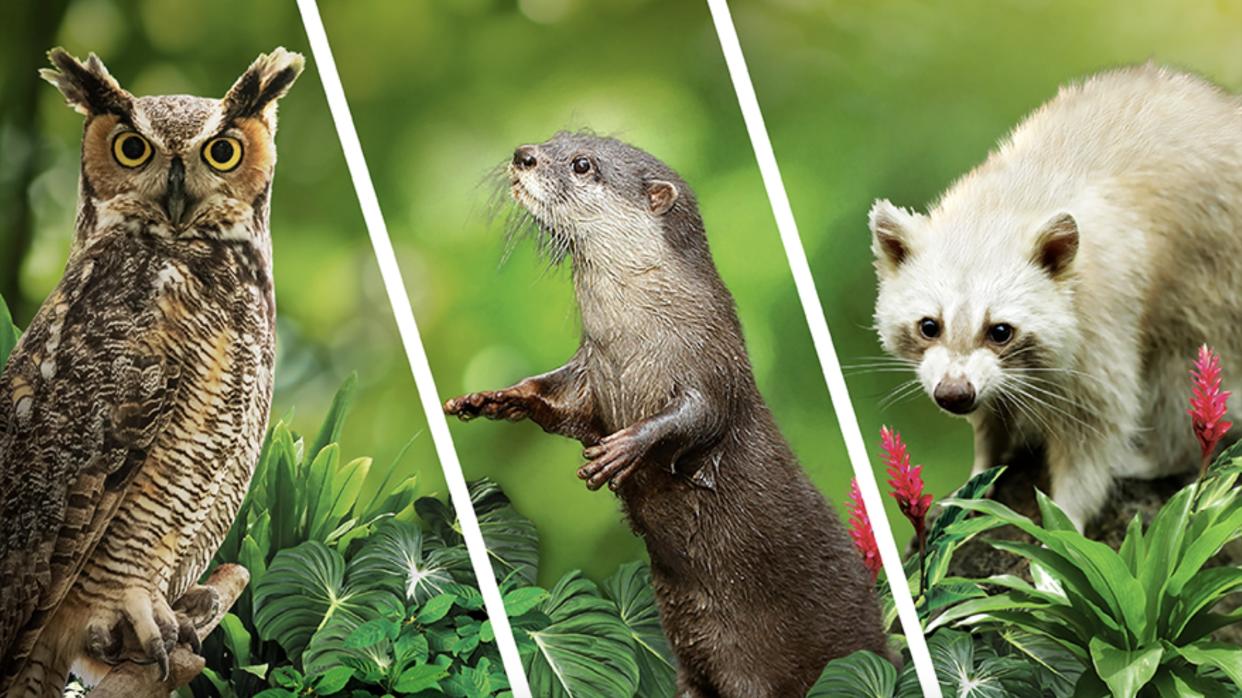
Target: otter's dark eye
pixel 1000 333
pixel 581 165
pixel 929 328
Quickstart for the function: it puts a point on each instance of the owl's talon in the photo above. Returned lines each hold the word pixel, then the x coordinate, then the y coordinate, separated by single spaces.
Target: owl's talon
pixel 104 644
pixel 187 633
pixel 199 603
pixel 158 654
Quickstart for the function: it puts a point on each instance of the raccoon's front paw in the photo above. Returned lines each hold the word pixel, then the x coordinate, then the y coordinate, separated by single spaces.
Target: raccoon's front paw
pixel 492 404
pixel 612 460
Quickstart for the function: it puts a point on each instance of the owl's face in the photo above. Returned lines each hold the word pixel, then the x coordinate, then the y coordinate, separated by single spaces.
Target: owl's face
pixel 177 166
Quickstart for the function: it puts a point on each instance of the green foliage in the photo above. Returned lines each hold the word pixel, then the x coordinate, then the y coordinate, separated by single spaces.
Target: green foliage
pixel 967 666
pixel 358 597
pixel 9 333
pixel 1138 620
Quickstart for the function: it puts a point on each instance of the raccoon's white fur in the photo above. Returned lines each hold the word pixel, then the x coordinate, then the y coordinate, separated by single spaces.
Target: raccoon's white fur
pixel 1107 233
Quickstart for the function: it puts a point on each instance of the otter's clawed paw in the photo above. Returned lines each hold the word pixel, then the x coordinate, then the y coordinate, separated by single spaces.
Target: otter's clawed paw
pixel 613 460
pixel 492 404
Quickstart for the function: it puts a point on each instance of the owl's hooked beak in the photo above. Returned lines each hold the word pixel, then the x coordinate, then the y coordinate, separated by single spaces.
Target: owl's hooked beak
pixel 176 202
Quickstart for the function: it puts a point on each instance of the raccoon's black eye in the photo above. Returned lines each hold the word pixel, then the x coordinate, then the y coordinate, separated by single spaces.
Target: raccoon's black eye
pixel 581 165
pixel 929 328
pixel 1000 333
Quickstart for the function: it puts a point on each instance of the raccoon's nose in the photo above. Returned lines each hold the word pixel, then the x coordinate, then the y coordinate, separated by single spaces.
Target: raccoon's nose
pixel 955 395
pixel 524 157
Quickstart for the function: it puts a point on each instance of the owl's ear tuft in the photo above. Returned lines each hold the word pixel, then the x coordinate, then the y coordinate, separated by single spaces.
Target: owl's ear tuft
pixel 266 80
pixel 88 87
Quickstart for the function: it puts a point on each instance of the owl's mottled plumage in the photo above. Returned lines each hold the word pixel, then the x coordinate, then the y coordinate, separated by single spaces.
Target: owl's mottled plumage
pixel 134 406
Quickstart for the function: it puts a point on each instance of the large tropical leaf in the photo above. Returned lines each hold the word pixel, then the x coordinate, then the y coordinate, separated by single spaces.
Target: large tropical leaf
pixel 967 671
pixel 395 557
pixel 511 539
pixel 630 589
pixel 303 589
pixel 586 650
pixel 863 674
pixel 1057 669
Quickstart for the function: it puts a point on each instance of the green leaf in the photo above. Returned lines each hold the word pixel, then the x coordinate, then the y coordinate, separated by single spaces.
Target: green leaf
pixel 863 674
pixel 1202 591
pixel 585 650
pixel 371 633
pixel 435 608
pixel 422 677
pixel 236 638
pixel 1058 669
pixel 286 677
pixel 523 599
pixel 394 558
pixel 334 420
pixel 9 334
pixel 960 673
pixel 1124 671
pixel 333 680
pixel 512 542
pixel 1220 655
pixel 303 589
pixel 630 589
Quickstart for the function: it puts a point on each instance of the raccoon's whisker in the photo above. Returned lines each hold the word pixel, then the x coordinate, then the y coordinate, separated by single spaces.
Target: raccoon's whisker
pixel 903 390
pixel 1019 389
pixel 862 370
pixel 1067 371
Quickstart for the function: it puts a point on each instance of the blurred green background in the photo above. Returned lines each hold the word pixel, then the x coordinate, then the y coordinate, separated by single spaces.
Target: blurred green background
pixel 896 99
pixel 333 315
pixel 442 92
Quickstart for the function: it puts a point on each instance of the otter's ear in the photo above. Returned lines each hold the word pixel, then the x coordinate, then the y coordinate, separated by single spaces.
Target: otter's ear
pixel 890 233
pixel 1057 245
pixel 87 87
pixel 661 196
pixel 266 80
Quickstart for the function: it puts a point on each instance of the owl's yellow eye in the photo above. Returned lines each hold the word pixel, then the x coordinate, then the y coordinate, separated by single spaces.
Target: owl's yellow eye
pixel 131 149
pixel 223 153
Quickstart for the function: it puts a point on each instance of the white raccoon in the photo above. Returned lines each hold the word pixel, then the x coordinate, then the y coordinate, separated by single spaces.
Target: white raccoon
pixel 1056 294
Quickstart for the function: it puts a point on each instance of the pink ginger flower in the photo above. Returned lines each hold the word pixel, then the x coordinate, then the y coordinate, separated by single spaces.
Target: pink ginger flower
pixel 1207 403
pixel 906 481
pixel 860 531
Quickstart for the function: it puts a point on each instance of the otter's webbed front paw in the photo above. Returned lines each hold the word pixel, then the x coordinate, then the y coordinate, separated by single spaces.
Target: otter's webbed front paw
pixel 613 459
pixel 492 404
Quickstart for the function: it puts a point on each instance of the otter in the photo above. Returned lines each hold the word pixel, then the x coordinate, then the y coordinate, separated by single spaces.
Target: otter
pixel 757 581
pixel 1055 295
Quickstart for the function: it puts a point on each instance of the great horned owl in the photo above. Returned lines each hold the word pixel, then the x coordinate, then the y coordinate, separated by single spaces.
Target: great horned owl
pixel 133 409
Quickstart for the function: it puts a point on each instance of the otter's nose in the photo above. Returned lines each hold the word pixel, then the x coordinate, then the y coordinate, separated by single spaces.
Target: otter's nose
pixel 955 395
pixel 524 157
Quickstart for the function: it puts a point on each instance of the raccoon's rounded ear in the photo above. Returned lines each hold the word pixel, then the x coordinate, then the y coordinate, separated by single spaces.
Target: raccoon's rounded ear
pixel 890 233
pixel 661 196
pixel 1057 245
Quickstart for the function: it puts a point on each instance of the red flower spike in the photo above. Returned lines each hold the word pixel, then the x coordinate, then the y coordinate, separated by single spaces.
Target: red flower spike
pixel 906 481
pixel 860 531
pixel 1207 403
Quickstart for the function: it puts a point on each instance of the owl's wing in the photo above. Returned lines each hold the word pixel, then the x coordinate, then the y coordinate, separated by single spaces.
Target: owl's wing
pixel 82 399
